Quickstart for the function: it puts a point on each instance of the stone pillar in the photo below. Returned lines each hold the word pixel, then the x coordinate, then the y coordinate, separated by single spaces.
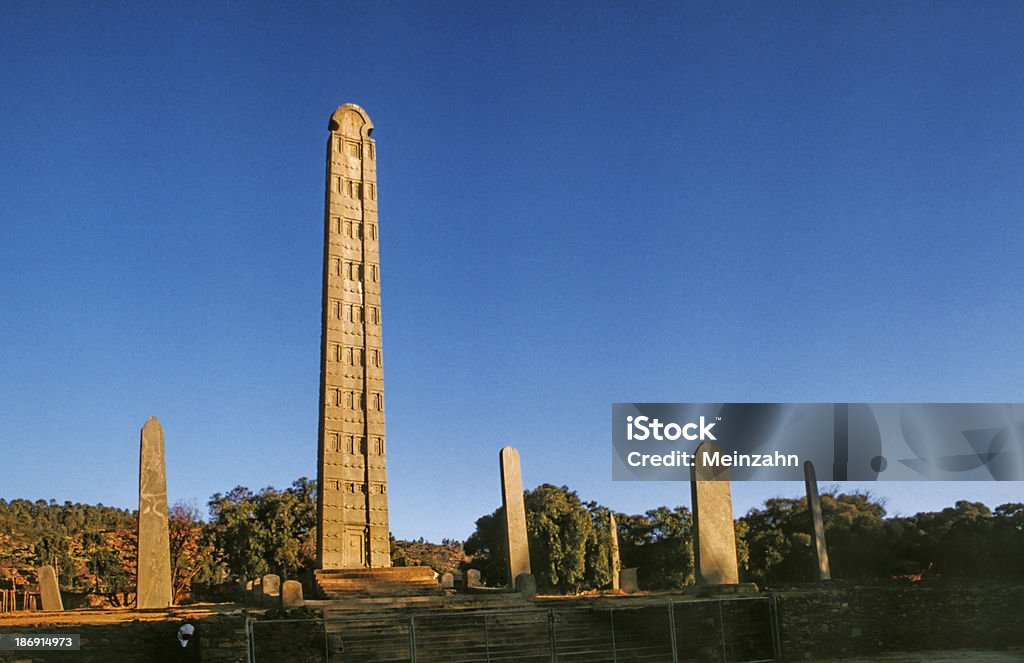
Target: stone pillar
pixel 472 578
pixel 616 562
pixel 515 515
pixel 352 497
pixel 154 564
pixel 714 534
pixel 447 581
pixel 49 590
pixel 817 523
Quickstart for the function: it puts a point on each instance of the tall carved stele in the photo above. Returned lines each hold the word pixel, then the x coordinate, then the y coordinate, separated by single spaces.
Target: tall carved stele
pixel 154 558
pixel 714 533
pixel 352 503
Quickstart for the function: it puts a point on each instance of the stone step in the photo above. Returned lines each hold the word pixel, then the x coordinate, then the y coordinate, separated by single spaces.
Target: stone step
pixel 393 581
pixel 367 604
pixel 389 572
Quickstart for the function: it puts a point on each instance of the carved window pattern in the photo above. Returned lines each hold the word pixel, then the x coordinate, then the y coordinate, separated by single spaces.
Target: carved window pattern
pixel 378 446
pixel 335 443
pixel 378 401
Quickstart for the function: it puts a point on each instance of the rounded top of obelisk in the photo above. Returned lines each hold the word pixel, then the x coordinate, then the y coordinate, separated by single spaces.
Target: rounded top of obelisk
pixel 351 120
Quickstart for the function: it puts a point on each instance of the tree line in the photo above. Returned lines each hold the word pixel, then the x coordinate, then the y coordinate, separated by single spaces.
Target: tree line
pixel 570 542
pixel 243 536
pixel 247 534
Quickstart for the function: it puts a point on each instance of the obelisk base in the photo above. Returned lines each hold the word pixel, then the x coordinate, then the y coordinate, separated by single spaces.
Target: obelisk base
pixel 391 581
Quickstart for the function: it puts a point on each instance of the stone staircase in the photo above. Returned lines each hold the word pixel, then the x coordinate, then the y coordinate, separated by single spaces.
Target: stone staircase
pixel 396 581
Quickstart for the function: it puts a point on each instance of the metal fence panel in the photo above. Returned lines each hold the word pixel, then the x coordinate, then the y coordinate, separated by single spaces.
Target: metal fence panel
pixel 733 630
pixel 383 640
pixel 738 630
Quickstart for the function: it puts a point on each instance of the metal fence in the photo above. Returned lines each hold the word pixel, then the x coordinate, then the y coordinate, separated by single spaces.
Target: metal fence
pixel 730 630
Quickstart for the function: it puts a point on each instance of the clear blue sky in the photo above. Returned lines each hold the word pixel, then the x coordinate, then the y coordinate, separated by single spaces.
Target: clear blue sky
pixel 580 204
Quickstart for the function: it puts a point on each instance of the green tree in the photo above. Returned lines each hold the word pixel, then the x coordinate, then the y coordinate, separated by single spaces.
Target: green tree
pixel 660 544
pixel 486 545
pixel 273 531
pixel 559 528
pixel 192 550
pixel 778 539
pixel 569 545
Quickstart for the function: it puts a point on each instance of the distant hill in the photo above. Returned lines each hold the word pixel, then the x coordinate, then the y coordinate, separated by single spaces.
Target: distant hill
pixel 92 548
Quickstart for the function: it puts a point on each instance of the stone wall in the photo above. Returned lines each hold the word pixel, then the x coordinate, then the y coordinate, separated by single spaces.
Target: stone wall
pixel 816 621
pixel 837 619
pixel 222 640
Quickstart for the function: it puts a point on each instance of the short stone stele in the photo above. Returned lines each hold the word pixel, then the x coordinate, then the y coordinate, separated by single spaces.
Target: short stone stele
pixel 291 594
pixel 271 588
pixel 526 584
pixel 49 590
pixel 627 581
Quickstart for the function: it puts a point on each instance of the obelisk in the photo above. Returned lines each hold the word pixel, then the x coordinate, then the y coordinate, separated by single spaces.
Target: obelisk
pixel 616 560
pixel 352 501
pixel 154 563
pixel 49 589
pixel 714 533
pixel 817 523
pixel 518 562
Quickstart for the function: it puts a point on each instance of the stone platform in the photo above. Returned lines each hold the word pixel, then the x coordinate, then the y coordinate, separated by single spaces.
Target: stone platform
pixel 392 581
